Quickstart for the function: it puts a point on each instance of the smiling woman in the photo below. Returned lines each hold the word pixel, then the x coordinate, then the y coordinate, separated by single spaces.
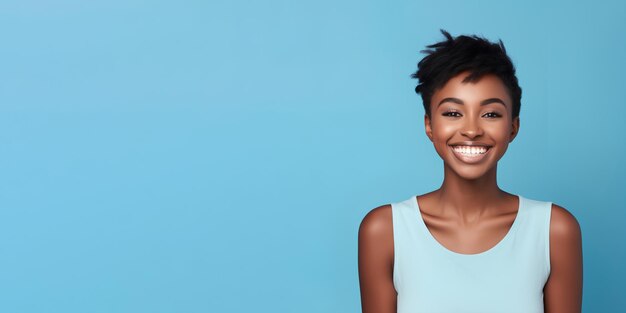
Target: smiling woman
pixel 470 246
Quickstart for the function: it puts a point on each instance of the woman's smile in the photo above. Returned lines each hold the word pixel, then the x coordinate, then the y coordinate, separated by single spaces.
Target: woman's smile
pixel 470 154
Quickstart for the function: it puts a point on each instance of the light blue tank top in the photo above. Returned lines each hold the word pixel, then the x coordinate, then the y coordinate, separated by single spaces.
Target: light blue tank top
pixel 509 277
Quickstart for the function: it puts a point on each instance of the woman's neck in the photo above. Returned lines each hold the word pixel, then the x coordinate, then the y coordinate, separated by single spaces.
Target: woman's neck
pixel 469 199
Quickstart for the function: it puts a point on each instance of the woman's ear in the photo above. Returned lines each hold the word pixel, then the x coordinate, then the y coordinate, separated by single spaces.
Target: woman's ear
pixel 514 129
pixel 429 130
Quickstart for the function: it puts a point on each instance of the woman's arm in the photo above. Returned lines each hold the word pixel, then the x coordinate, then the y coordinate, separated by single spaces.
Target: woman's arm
pixel 563 290
pixel 378 294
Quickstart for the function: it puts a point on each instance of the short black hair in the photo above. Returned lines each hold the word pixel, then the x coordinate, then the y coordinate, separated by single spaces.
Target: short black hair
pixel 475 54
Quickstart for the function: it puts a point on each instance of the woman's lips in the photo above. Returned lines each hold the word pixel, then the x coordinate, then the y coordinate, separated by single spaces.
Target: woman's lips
pixel 469 157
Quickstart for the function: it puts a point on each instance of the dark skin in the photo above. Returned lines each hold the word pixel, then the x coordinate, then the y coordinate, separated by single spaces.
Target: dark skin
pixel 469 213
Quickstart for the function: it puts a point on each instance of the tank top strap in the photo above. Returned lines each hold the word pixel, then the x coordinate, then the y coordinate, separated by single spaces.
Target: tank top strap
pixel 535 230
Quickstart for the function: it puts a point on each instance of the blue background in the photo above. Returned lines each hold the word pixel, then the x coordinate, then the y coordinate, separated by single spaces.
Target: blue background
pixel 219 156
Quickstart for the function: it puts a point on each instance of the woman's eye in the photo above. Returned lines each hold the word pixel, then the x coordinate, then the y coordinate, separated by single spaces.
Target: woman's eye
pixel 493 114
pixel 450 113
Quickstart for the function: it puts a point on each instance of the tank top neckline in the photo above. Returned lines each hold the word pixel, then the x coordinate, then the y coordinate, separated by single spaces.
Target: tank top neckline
pixel 438 246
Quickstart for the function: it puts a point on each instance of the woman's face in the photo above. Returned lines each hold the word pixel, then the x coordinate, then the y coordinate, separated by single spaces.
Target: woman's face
pixel 471 124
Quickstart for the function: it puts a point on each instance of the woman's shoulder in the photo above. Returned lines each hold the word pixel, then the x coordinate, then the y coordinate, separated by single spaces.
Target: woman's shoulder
pixel 563 224
pixel 375 239
pixel 377 222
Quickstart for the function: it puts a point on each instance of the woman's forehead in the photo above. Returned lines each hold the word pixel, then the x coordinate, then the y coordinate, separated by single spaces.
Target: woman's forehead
pixel 487 87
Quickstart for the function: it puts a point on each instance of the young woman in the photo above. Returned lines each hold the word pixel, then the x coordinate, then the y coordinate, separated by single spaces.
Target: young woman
pixel 470 246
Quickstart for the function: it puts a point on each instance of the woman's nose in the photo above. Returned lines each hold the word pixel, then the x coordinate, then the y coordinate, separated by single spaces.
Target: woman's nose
pixel 471 128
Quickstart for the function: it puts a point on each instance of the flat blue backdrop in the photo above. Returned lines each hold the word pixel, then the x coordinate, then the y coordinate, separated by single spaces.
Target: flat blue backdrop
pixel 171 156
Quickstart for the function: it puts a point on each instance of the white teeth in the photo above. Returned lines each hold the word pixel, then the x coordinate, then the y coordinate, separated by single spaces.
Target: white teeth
pixel 470 149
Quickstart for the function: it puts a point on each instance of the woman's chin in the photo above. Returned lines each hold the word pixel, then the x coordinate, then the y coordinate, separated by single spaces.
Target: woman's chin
pixel 471 172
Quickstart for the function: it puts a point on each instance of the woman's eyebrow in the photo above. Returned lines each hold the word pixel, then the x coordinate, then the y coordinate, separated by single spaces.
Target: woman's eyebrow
pixel 484 102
